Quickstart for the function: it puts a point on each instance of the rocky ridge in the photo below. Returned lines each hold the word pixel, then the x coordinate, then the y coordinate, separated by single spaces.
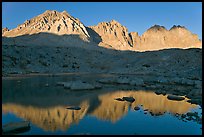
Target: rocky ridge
pixel 106 34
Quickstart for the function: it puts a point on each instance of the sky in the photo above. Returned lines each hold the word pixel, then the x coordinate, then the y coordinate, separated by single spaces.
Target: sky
pixel 136 16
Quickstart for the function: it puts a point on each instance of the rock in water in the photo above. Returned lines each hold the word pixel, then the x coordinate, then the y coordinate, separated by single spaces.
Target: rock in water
pixel 79 85
pixel 18 127
pixel 119 99
pixel 74 108
pixel 137 108
pixel 173 97
pixel 129 99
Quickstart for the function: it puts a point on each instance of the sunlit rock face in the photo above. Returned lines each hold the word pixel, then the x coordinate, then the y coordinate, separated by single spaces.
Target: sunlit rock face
pixel 158 37
pixel 54 22
pixel 113 35
pixel 57 117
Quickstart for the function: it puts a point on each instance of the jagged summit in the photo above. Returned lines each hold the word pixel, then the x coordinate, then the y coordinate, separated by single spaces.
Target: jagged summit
pixel 51 21
pixel 157 28
pixel 109 23
pixel 113 35
pixel 178 26
pixel 114 22
pixel 4 30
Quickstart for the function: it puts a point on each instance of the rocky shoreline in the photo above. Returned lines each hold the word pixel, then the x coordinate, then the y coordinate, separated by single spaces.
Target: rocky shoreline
pixel 175 87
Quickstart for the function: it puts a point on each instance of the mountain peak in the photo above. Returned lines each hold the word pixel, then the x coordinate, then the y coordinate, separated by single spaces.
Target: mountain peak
pixel 114 21
pixel 51 21
pixel 65 13
pixel 177 27
pixel 157 27
pixel 4 30
pixel 51 11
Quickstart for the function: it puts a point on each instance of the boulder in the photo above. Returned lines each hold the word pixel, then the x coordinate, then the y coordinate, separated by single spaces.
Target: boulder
pixel 174 97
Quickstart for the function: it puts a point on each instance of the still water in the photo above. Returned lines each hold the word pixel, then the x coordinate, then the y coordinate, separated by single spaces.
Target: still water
pixel 40 101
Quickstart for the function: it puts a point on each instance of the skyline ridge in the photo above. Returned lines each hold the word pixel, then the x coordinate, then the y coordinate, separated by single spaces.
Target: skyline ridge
pixel 111 21
pixel 137 16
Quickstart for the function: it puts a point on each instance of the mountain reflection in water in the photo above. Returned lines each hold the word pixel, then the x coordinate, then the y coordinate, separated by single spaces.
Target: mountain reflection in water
pixel 48 111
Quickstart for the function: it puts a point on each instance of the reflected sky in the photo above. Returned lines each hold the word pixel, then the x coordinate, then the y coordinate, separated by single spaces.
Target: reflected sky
pixel 45 107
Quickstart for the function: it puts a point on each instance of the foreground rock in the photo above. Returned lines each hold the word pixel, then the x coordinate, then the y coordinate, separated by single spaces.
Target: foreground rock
pixel 18 127
pixel 173 97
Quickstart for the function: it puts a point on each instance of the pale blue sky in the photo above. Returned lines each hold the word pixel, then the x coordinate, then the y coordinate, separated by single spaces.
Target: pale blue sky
pixel 136 16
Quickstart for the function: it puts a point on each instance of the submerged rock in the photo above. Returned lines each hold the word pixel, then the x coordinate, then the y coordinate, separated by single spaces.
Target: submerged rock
pixel 129 99
pixel 174 97
pixel 17 127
